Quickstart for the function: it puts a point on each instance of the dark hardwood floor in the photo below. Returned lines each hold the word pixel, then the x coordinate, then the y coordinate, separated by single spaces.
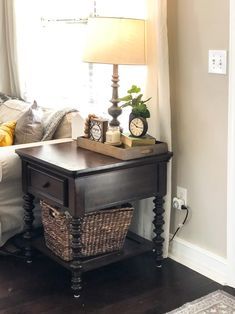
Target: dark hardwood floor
pixel 131 286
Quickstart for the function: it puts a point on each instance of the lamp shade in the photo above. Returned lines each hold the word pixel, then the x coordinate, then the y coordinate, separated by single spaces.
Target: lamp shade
pixel 115 41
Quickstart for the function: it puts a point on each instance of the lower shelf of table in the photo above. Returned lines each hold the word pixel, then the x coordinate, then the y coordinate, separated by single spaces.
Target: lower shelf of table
pixel 134 245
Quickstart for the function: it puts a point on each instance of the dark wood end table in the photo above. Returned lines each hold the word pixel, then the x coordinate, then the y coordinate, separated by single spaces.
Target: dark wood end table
pixel 80 181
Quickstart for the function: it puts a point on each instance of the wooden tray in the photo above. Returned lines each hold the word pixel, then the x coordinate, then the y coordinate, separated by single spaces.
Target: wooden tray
pixel 122 152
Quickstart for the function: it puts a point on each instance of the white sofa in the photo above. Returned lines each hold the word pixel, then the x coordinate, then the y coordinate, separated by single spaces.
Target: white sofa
pixel 11 211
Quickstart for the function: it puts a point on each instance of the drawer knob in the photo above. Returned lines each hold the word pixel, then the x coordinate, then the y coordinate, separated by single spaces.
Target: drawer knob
pixel 46 185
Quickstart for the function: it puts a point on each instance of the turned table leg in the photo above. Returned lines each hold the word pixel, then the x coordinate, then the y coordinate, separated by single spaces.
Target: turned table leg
pixel 76 266
pixel 28 220
pixel 158 223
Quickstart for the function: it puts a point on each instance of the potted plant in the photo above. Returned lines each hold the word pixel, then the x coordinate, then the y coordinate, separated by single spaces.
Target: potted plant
pixel 138 125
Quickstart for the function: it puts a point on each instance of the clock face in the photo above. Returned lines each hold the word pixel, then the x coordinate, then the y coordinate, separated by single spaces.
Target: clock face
pixel 138 126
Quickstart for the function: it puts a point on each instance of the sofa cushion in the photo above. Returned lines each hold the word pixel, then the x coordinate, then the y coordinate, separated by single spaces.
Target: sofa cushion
pixel 7 130
pixel 12 110
pixel 29 127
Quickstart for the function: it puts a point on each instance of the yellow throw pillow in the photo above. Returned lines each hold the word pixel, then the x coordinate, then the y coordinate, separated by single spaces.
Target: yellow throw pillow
pixel 7 131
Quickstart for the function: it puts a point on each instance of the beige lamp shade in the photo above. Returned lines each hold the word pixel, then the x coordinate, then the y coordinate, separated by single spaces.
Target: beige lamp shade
pixel 115 41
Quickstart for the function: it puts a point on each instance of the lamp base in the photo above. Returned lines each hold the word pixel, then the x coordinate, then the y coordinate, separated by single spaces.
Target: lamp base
pixel 114 110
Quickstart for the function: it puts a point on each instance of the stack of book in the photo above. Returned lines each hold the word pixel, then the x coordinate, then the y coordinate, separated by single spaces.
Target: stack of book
pixel 130 141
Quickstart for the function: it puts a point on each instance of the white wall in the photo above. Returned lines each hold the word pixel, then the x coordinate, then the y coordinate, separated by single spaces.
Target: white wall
pixel 199 119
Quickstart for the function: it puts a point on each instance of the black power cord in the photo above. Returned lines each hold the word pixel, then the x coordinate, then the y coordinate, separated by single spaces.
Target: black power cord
pixel 181 225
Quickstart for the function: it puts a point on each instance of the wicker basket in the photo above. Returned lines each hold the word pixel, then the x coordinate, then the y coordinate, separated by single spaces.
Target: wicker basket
pixel 102 231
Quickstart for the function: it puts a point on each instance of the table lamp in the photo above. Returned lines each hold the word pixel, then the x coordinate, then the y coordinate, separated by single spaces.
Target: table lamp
pixel 115 41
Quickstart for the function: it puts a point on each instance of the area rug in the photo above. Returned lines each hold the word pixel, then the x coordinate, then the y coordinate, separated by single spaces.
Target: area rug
pixel 218 302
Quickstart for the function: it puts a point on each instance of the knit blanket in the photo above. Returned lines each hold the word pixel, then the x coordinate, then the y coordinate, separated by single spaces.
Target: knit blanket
pixel 54 121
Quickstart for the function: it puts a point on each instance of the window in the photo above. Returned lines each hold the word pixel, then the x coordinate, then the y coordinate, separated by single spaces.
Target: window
pixel 51 35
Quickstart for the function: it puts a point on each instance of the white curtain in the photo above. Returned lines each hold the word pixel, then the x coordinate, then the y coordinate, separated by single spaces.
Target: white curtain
pixel 9 78
pixel 157 87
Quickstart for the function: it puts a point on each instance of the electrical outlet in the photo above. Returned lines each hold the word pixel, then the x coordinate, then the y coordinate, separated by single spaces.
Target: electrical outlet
pixel 182 194
pixel 178 203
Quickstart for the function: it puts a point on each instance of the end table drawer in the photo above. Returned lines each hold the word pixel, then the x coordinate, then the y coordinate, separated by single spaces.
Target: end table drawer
pixel 48 185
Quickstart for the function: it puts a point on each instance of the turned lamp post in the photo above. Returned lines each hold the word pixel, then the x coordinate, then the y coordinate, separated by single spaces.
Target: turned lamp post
pixel 115 41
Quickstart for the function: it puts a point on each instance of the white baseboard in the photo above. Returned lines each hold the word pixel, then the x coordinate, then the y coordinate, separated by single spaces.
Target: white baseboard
pixel 198 259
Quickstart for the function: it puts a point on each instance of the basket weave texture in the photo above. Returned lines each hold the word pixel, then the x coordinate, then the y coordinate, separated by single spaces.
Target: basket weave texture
pixel 102 231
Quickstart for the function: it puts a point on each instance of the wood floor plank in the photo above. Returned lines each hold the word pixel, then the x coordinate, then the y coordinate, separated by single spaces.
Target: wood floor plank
pixel 131 286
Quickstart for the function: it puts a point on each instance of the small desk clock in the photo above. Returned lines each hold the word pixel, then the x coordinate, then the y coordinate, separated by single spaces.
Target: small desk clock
pixel 138 126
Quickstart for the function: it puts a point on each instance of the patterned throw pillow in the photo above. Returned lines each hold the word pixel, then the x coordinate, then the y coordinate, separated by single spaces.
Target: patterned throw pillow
pixel 29 127
pixel 7 133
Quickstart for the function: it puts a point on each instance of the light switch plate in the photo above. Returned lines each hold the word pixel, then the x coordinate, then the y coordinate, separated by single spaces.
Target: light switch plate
pixel 217 61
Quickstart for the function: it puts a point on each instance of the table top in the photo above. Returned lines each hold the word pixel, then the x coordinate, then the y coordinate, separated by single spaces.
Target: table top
pixel 73 159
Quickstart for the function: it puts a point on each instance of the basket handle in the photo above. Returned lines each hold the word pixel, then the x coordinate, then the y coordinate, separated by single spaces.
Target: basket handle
pixel 147 151
pixel 53 212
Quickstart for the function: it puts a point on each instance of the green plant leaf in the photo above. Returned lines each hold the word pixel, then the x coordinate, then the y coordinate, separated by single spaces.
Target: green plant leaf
pixel 134 102
pixel 147 114
pixel 126 105
pixel 141 111
pixel 138 105
pixel 125 98
pixel 134 89
pixel 144 101
pixel 138 99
